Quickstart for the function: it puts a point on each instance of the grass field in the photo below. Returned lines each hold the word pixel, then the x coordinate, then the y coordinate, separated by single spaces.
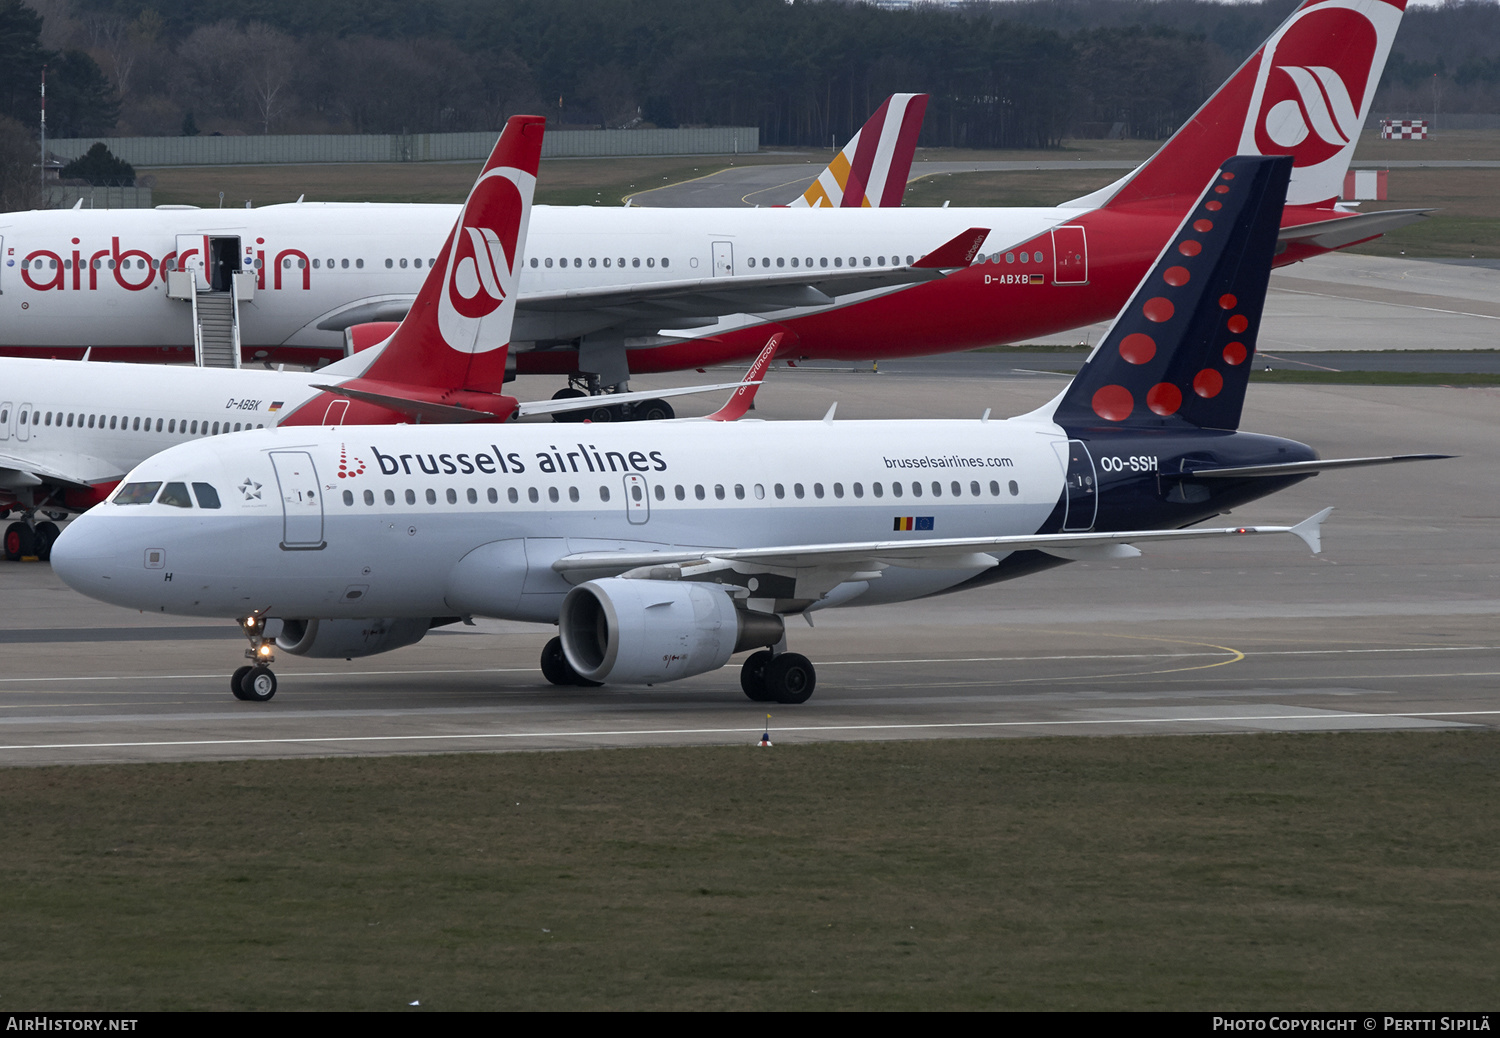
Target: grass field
pixel 1237 872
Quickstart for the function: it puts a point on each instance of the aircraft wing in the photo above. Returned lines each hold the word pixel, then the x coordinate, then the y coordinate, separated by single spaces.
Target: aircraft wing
pixel 936 553
pixel 33 468
pixel 691 302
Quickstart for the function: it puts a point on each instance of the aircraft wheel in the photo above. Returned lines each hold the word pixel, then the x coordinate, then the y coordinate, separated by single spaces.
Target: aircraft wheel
pixel 790 678
pixel 19 541
pixel 46 535
pixel 236 682
pixel 654 411
pixel 557 669
pixel 753 676
pixel 602 414
pixel 259 685
pixel 569 394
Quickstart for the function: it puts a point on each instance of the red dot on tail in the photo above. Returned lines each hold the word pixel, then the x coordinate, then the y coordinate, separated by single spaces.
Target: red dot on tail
pixel 1137 348
pixel 1228 301
pixel 1189 248
pixel 1203 226
pixel 1235 353
pixel 1238 323
pixel 1222 189
pixel 1164 398
pixel 1158 309
pixel 1227 176
pixel 1176 276
pixel 1208 382
pixel 1213 207
pixel 1113 403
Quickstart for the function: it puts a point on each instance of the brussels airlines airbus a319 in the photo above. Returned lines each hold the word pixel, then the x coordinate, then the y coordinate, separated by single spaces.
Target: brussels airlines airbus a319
pixel 661 549
pixel 315 271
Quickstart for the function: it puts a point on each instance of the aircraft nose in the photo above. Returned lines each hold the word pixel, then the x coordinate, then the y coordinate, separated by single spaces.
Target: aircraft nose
pixel 86 556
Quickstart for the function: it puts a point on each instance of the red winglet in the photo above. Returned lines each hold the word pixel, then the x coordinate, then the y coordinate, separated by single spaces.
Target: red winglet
pixel 741 399
pixel 959 252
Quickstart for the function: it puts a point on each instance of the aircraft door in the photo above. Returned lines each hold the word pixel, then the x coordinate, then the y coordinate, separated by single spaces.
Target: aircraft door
pixel 637 499
pixel 301 501
pixel 723 259
pixel 23 422
pixel 7 410
pixel 192 254
pixel 1070 256
pixel 2 253
pixel 1081 505
pixel 223 262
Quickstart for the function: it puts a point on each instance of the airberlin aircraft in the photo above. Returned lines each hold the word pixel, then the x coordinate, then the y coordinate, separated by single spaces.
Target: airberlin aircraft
pixel 69 431
pixel 608 292
pixel 660 549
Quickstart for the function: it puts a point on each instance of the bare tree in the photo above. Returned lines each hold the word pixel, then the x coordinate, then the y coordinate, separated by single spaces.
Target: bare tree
pixel 270 63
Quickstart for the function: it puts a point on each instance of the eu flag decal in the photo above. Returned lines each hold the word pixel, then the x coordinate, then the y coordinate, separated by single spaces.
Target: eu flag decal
pixel 912 522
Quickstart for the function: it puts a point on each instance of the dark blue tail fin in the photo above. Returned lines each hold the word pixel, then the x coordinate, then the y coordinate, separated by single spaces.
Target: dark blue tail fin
pixel 1178 356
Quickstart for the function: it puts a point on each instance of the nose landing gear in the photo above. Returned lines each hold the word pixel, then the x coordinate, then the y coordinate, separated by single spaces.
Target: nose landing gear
pixel 254 682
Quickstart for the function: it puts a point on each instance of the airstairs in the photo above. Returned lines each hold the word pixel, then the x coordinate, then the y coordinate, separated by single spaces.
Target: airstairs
pixel 216 316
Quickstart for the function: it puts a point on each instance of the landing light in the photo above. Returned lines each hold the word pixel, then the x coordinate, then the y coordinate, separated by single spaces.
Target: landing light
pixel 265 650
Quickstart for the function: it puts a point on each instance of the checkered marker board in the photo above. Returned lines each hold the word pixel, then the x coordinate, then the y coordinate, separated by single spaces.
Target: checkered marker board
pixel 1403 129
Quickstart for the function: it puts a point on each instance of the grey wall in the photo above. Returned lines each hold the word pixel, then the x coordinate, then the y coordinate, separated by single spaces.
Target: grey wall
pixel 417 147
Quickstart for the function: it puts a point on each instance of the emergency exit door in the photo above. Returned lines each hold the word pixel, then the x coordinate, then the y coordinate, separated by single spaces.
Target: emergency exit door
pixel 1070 256
pixel 723 259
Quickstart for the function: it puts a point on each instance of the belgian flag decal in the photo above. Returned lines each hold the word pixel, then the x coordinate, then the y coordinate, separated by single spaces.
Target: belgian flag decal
pixel 912 522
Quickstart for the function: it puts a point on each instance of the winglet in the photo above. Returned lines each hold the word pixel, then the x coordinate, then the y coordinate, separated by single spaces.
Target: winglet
pixel 958 252
pixel 740 400
pixel 1311 530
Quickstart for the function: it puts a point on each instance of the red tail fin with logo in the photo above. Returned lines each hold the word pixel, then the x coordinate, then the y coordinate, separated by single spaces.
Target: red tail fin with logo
pixel 1306 92
pixel 456 333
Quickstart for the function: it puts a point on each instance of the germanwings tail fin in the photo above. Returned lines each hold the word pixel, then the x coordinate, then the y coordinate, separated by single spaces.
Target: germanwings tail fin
pixel 872 169
pixel 1179 353
pixel 456 333
pixel 1306 92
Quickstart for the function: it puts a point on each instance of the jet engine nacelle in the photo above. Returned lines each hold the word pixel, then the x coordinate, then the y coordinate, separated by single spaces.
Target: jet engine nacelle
pixel 345 639
pixel 640 632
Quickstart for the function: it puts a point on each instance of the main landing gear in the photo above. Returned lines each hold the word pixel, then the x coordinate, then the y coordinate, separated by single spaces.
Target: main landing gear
pixel 640 411
pixel 785 677
pixel 23 539
pixel 254 682
pixel 557 669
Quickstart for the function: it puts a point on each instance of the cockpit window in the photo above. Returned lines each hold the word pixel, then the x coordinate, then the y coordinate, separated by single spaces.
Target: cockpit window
pixel 176 495
pixel 137 493
pixel 208 497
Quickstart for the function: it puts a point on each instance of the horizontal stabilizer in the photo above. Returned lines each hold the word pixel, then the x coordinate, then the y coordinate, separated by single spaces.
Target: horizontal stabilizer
pixel 1297 468
pixel 957 252
pixel 1346 230
pixel 420 410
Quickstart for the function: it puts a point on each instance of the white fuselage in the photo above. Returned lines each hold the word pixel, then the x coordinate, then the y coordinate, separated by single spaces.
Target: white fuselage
pixel 76 278
pixel 95 421
pixel 376 521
